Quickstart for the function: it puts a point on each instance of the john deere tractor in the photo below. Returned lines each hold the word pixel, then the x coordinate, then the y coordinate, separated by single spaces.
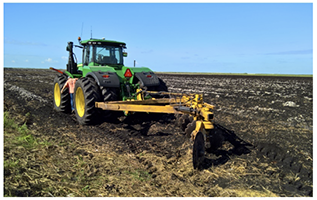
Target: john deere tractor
pixel 105 85
pixel 102 77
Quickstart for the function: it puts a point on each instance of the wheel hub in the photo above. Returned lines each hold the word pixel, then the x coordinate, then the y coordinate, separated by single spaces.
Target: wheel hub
pixel 57 95
pixel 80 102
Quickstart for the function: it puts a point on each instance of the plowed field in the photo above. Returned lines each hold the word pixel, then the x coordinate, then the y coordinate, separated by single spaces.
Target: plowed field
pixel 266 123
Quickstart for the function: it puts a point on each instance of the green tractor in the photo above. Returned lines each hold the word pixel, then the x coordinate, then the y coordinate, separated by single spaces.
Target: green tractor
pixel 102 77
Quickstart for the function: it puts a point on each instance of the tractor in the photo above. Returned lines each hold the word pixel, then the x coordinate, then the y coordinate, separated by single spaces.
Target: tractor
pixel 105 85
pixel 102 77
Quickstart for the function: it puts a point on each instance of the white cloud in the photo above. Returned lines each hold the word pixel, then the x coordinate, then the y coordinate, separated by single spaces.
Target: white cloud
pixel 13 61
pixel 49 60
pixel 64 57
pixel 26 60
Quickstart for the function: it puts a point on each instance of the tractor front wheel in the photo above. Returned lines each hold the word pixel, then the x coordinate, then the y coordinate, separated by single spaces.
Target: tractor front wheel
pixel 61 99
pixel 86 94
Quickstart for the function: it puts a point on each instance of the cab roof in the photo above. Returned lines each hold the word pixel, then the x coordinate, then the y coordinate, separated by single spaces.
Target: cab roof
pixel 102 41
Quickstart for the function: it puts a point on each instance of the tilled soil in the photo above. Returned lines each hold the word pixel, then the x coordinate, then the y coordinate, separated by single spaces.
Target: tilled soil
pixel 266 124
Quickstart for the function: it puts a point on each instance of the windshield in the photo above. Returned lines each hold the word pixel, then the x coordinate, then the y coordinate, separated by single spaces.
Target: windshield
pixel 107 55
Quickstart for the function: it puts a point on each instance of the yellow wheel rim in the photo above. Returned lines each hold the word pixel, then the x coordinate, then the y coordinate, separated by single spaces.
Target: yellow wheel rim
pixel 80 102
pixel 57 95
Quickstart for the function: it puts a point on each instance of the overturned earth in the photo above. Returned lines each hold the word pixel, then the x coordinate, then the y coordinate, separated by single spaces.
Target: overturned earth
pixel 266 123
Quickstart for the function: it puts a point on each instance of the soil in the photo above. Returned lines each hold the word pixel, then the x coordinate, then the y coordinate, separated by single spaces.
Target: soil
pixel 266 126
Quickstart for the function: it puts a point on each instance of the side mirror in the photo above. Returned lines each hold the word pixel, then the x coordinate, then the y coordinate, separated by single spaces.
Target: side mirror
pixel 125 54
pixel 69 46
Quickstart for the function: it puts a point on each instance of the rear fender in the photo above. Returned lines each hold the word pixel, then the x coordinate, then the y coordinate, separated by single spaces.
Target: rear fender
pixel 147 79
pixel 105 79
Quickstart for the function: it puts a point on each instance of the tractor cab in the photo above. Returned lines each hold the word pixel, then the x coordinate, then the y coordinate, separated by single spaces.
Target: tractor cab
pixel 96 52
pixel 101 52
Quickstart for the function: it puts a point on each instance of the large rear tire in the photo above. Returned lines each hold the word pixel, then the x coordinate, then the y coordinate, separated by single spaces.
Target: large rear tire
pixel 61 99
pixel 86 94
pixel 109 94
pixel 160 88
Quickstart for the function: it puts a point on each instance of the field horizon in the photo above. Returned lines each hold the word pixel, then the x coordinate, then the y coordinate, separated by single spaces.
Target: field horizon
pixel 199 73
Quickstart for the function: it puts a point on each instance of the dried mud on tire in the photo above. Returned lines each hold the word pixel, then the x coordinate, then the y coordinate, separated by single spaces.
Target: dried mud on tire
pixel 266 126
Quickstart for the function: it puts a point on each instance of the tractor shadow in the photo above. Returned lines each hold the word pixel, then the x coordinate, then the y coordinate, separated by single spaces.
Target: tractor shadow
pixel 224 145
pixel 142 122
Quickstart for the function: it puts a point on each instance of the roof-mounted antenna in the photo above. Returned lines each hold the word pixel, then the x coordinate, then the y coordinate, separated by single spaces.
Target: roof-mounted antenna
pixel 90 32
pixel 81 35
pixel 82 27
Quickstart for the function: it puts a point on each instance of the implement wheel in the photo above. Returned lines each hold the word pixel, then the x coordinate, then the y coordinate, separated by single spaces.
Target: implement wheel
pixel 86 94
pixel 198 150
pixel 61 100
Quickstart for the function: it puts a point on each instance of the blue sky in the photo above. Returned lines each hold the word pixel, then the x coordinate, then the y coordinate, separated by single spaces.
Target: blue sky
pixel 177 37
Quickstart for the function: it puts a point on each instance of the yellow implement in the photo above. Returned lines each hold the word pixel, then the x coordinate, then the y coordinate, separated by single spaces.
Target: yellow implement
pixel 178 103
pixel 191 104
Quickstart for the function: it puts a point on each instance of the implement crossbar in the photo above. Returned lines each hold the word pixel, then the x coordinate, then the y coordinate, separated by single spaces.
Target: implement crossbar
pixel 149 101
pixel 136 108
pixel 181 103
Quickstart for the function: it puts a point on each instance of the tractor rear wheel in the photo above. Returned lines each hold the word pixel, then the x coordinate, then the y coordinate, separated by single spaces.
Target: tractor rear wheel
pixel 61 99
pixel 109 94
pixel 160 88
pixel 86 94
